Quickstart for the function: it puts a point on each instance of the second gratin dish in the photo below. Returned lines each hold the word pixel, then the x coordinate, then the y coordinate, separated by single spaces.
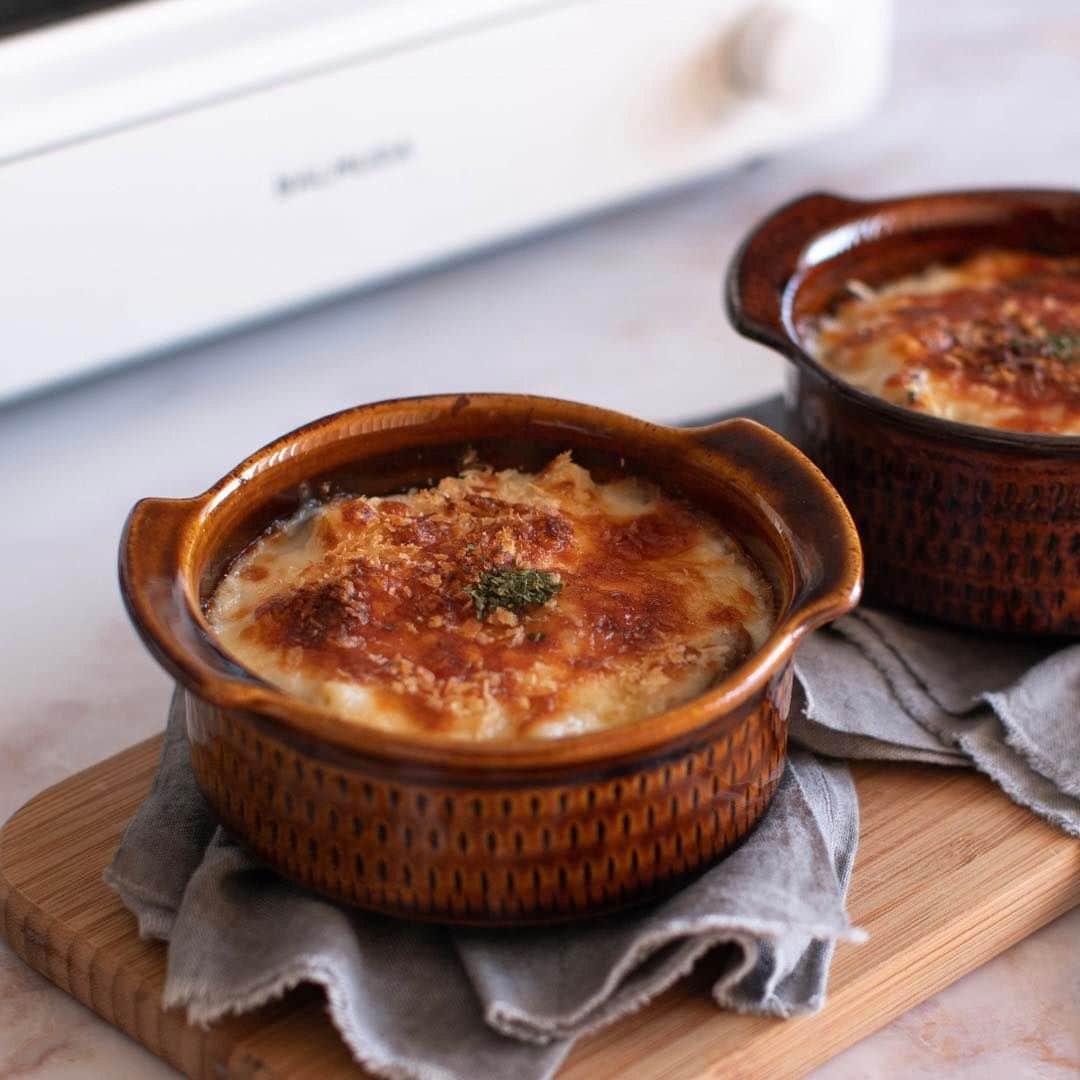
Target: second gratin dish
pixel 935 378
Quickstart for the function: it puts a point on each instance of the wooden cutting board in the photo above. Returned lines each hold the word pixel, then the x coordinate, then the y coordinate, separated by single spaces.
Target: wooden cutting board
pixel 949 873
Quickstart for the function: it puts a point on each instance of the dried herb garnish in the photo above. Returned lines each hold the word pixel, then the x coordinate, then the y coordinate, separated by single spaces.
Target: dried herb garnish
pixel 514 589
pixel 1063 346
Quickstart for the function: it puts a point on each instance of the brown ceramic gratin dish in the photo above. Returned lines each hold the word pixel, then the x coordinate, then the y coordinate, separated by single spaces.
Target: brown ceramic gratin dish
pixel 971 525
pixel 502 832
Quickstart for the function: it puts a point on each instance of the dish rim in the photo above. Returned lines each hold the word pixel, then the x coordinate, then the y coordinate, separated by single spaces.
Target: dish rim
pixel 318 726
pixel 847 223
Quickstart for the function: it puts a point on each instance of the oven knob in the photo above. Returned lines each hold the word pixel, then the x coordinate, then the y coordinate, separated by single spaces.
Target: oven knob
pixel 782 51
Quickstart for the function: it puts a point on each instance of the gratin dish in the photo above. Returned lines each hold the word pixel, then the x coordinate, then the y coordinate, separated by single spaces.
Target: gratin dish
pixel 973 526
pixel 502 832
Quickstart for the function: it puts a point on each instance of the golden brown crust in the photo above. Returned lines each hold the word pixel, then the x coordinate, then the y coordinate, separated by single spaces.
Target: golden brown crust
pixel 386 605
pixel 994 340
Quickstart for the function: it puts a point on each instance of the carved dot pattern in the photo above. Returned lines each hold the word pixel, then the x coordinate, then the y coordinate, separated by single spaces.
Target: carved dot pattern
pixel 492 855
pixel 982 538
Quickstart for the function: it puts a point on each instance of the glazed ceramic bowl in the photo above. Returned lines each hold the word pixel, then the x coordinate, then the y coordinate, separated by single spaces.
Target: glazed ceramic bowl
pixel 500 832
pixel 965 524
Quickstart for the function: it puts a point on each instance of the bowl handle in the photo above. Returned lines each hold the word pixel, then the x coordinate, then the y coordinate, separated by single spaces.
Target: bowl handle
pixel 153 552
pixel 800 504
pixel 769 257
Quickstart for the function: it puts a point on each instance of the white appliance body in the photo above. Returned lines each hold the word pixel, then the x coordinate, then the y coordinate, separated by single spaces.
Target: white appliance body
pixel 175 168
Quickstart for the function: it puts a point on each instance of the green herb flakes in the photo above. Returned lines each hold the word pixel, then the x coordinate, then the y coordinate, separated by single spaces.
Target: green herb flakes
pixel 513 589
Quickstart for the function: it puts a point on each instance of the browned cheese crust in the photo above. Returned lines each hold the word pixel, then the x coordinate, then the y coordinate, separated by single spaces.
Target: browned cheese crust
pixel 993 341
pixel 364 605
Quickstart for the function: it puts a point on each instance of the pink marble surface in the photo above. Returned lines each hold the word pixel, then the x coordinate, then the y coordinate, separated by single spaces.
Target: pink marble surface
pixel 1017 1016
pixel 625 312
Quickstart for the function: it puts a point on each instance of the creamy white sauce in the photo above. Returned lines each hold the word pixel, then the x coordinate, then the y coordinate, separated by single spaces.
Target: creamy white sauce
pixel 502 697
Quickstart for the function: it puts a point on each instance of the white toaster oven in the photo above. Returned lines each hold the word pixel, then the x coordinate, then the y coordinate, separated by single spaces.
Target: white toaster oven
pixel 173 168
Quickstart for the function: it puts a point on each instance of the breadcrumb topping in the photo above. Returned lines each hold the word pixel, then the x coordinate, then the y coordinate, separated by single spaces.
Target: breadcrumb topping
pixel 993 340
pixel 635 602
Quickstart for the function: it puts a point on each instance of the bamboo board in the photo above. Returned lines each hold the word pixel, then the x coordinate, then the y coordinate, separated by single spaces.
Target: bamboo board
pixel 949 873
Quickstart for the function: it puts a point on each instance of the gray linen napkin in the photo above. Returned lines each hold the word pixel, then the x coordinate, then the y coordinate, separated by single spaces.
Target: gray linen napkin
pixel 414 1001
pixel 882 686
pixel 885 686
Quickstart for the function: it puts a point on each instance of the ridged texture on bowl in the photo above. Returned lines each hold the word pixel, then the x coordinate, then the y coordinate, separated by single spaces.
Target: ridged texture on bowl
pixel 514 851
pixel 963 534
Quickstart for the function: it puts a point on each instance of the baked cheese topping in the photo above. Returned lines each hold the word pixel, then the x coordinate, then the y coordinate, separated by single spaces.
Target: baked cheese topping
pixel 993 341
pixel 413 613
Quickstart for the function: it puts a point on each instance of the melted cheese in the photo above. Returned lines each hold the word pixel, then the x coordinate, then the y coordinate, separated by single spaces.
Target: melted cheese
pixel 992 341
pixel 362 605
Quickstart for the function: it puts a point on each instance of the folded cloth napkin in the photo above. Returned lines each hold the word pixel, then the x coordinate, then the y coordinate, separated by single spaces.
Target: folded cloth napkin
pixel 879 685
pixel 415 1001
pixel 882 686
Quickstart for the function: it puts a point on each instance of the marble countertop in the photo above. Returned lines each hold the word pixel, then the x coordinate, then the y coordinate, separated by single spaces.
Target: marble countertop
pixel 625 311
